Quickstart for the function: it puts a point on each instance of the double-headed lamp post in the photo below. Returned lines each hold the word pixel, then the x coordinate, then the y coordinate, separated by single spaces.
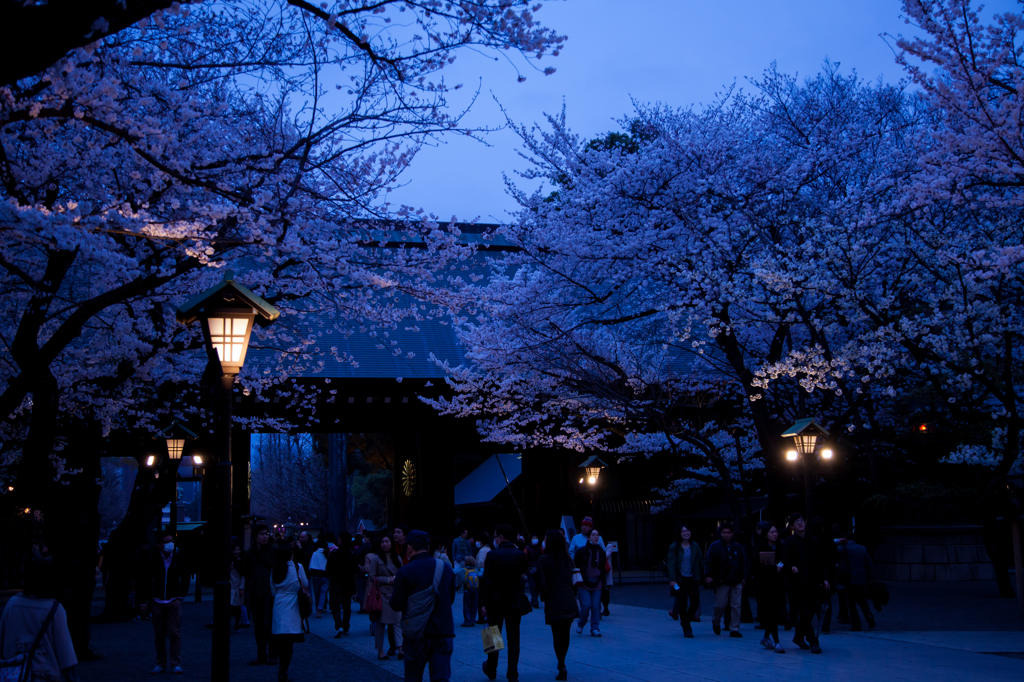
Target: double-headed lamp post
pixel 807 434
pixel 592 468
pixel 227 312
pixel 174 436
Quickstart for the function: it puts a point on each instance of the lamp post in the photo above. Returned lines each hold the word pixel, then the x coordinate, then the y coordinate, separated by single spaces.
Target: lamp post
pixel 806 435
pixel 592 469
pixel 174 436
pixel 227 312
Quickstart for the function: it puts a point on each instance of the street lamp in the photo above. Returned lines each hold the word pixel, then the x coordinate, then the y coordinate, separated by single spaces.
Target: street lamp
pixel 592 466
pixel 175 436
pixel 806 435
pixel 226 312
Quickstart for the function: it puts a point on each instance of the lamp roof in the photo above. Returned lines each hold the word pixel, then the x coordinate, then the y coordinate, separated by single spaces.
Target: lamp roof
pixel 227 294
pixel 802 425
pixel 593 461
pixel 177 430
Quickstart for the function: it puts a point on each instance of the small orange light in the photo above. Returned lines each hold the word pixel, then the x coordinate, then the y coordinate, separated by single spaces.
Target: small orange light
pixel 922 428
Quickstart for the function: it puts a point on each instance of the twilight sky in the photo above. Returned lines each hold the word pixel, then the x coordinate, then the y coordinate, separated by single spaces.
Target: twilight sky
pixel 678 52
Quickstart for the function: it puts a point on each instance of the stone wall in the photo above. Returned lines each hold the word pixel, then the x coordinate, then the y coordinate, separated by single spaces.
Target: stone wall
pixel 932 553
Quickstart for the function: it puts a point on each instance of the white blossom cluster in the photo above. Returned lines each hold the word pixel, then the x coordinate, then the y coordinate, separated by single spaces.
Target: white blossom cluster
pixel 828 248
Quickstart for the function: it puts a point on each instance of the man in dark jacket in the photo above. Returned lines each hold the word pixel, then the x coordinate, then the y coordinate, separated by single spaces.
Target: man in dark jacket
pixel 437 643
pixel 502 597
pixel 165 585
pixel 727 574
pixel 808 580
pixel 854 559
pixel 341 571
pixel 259 561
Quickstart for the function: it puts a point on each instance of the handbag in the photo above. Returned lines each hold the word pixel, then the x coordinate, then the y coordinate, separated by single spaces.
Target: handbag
pixel 577 576
pixel 493 642
pixel 521 604
pixel 373 603
pixel 19 668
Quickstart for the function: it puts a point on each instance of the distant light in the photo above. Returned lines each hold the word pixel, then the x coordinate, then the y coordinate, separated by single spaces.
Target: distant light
pixel 151 460
pixel 826 453
pixel 581 480
pixel 10 488
pixel 922 428
pixel 197 460
pixel 27 510
pixel 791 455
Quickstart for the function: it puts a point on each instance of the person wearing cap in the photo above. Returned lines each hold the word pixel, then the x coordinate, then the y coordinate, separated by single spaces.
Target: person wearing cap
pixel 579 542
pixel 436 645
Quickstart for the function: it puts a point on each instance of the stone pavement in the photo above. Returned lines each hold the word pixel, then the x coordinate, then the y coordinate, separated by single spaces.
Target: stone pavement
pixel 639 644
pixel 642 644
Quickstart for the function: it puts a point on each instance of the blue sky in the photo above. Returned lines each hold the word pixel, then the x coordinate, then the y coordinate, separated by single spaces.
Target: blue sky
pixel 678 52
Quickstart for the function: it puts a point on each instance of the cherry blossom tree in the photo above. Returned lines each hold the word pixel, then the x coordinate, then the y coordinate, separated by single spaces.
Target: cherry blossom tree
pixel 933 280
pixel 673 261
pixel 257 136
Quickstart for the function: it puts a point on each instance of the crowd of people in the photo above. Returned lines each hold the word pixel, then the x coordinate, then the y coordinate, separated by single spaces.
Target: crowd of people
pixel 407 581
pixel 792 579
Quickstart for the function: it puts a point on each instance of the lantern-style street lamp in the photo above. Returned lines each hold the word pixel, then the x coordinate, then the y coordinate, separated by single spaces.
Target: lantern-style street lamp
pixel 807 435
pixel 227 312
pixel 592 466
pixel 175 436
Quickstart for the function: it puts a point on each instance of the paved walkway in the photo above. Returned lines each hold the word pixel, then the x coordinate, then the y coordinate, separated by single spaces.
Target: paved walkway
pixel 642 644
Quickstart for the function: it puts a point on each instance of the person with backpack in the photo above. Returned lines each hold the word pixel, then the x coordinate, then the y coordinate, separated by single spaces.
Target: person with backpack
pixel 34 624
pixel 424 592
pixel 685 563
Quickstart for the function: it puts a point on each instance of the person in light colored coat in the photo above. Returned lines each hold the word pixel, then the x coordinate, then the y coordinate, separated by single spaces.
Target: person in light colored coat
pixel 287 579
pixel 383 565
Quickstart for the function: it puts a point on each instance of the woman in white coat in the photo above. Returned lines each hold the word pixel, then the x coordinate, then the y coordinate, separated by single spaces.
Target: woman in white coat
pixel 381 566
pixel 287 579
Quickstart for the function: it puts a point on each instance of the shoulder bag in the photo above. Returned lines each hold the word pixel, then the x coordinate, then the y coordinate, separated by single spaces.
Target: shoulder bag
pixel 19 668
pixel 420 605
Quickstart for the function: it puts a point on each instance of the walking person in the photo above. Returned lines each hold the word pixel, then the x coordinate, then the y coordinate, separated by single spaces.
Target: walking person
pixel 727 574
pixel 483 548
pixel 420 584
pixel 593 564
pixel 237 580
pixel 163 590
pixel 381 568
pixel 503 599
pixel 259 561
pixel 856 570
pixel 554 580
pixel 806 579
pixel 34 623
pixel 341 574
pixel 288 579
pixel 318 573
pixel 685 563
pixel 533 554
pixel 771 587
